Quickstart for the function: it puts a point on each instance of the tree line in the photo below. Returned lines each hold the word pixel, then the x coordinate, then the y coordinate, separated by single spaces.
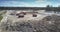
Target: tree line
pixel 50 8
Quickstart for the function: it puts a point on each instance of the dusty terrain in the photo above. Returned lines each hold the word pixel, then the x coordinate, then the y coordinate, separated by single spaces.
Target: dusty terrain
pixel 41 23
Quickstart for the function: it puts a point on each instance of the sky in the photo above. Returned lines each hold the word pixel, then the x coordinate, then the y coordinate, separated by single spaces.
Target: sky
pixel 29 3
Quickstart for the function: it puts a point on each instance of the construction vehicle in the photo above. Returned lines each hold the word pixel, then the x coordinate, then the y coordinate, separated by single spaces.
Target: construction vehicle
pixel 34 15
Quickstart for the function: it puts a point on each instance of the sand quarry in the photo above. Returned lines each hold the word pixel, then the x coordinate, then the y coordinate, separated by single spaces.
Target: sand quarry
pixel 41 23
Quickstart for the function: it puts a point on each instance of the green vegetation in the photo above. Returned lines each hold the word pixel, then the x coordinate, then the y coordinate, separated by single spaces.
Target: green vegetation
pixel 2 13
pixel 51 8
pixel 1 17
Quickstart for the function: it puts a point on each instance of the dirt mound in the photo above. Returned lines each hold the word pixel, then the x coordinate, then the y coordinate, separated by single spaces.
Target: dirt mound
pixel 52 23
pixel 52 18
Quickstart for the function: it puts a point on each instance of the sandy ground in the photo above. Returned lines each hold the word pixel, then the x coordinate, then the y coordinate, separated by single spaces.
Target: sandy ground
pixel 27 17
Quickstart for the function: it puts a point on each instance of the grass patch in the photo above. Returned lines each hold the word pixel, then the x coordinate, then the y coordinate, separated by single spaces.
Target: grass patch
pixel 1 17
pixel 2 13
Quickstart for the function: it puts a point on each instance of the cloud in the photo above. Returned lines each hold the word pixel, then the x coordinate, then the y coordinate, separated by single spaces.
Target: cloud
pixel 37 3
pixel 41 0
pixel 13 3
pixel 20 4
